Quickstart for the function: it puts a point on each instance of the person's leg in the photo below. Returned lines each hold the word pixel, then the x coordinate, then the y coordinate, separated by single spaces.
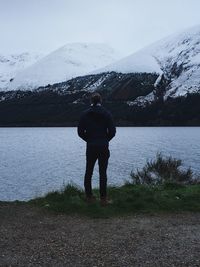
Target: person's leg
pixel 103 157
pixel 91 157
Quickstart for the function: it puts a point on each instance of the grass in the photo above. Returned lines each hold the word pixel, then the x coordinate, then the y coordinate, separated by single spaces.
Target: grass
pixel 127 199
pixel 162 185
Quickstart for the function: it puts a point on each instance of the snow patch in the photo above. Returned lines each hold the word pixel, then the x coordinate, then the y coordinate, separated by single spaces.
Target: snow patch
pixel 137 63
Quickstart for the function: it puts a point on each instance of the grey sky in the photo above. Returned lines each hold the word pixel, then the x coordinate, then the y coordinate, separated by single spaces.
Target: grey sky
pixel 127 25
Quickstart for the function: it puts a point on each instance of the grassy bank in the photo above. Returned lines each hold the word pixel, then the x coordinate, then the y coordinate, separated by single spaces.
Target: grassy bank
pixel 127 199
pixel 162 185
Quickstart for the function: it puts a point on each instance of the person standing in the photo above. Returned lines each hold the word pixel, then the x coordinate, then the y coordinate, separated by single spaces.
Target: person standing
pixel 96 128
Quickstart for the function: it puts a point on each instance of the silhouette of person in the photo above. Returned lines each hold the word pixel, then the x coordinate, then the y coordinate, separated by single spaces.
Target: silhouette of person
pixel 96 128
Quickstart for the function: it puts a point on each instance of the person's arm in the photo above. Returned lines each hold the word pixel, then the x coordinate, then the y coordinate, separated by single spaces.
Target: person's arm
pixel 82 129
pixel 111 127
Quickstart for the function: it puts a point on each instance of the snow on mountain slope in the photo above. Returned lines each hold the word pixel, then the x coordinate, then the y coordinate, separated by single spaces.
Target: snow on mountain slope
pixel 179 57
pixel 10 65
pixel 176 56
pixel 137 62
pixel 67 62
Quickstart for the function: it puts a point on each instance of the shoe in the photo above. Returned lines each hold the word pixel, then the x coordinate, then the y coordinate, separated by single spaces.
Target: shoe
pixel 104 201
pixel 91 200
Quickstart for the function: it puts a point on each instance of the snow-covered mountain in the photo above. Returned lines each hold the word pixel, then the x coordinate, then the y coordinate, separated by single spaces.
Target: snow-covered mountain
pixel 141 89
pixel 10 65
pixel 169 67
pixel 139 62
pixel 67 62
pixel 177 57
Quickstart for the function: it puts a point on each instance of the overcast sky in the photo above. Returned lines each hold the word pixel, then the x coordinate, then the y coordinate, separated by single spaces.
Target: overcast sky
pixel 127 25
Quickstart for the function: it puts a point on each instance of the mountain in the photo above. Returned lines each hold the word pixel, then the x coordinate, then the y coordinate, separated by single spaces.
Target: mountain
pixel 67 62
pixel 158 85
pixel 175 58
pixel 179 58
pixel 10 65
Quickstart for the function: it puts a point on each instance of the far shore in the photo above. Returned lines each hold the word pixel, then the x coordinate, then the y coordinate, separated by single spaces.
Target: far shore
pixel 75 125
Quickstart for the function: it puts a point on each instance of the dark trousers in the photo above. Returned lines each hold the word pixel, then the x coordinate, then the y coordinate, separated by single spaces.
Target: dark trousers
pixel 93 153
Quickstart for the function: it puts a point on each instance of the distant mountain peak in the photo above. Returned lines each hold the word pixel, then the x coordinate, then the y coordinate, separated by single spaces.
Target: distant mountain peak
pixel 69 61
pixel 177 57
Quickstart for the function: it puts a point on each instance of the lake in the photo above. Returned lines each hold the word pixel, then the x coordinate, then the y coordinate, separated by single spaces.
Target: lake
pixel 34 161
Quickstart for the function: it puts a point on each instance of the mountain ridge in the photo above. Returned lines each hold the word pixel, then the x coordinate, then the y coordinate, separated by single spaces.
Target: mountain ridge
pixel 165 93
pixel 65 63
pixel 177 57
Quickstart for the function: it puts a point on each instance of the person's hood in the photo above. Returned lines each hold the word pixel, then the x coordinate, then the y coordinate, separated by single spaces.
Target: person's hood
pixel 97 112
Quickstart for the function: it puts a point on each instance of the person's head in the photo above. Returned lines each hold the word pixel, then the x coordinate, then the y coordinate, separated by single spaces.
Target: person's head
pixel 95 99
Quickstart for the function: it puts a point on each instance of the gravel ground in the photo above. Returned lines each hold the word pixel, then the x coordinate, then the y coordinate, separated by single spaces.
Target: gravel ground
pixel 30 236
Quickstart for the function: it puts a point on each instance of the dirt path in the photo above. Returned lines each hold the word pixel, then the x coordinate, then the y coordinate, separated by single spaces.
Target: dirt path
pixel 32 237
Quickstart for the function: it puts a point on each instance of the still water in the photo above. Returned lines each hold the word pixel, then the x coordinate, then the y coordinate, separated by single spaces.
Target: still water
pixel 34 161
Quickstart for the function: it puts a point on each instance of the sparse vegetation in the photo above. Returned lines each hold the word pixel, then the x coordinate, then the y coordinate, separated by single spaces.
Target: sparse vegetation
pixel 163 170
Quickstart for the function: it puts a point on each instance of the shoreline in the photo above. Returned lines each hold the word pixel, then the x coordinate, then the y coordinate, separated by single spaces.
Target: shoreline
pixel 128 199
pixel 145 226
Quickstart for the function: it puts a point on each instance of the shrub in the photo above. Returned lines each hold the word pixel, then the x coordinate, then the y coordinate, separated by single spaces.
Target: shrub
pixel 163 170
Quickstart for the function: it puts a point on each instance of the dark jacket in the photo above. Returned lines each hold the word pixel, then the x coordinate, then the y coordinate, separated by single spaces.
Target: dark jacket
pixel 96 126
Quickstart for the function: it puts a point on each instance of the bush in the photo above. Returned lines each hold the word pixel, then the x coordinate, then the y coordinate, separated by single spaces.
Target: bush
pixel 163 170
